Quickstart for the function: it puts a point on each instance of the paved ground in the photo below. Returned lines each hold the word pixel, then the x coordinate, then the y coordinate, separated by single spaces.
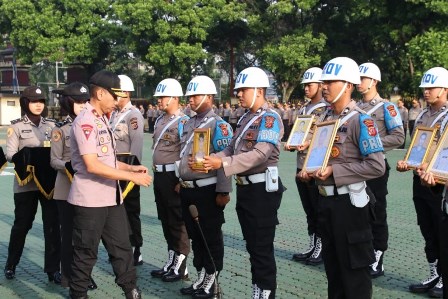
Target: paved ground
pixel 404 261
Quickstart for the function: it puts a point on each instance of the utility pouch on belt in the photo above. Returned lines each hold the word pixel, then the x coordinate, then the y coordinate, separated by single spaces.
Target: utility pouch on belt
pixel 358 194
pixel 272 179
pixel 176 168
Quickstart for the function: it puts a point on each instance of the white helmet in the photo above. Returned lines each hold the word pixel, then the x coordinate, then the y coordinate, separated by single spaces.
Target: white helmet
pixel 201 85
pixel 126 83
pixel 435 77
pixel 169 88
pixel 343 69
pixel 370 70
pixel 251 77
pixel 312 75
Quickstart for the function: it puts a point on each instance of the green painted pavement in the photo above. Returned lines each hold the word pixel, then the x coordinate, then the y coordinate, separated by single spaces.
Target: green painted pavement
pixel 404 261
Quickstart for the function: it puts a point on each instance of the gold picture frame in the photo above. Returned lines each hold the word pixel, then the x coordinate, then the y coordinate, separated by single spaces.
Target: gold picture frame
pixel 201 148
pixel 420 145
pixel 300 130
pixel 439 161
pixel 320 146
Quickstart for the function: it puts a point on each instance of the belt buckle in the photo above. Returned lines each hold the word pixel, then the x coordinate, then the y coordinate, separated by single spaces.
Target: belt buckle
pixel 154 168
pixel 184 184
pixel 322 190
pixel 239 180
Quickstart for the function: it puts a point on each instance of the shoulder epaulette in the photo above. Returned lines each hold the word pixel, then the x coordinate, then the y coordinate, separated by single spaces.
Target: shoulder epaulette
pixel 60 124
pixel 51 119
pixel 17 120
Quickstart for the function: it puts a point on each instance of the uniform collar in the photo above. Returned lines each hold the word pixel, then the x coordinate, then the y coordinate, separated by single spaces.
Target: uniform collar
pixel 126 107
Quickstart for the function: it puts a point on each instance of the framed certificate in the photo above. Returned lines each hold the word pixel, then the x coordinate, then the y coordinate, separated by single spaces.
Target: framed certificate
pixel 420 145
pixel 300 130
pixel 320 146
pixel 439 161
pixel 201 148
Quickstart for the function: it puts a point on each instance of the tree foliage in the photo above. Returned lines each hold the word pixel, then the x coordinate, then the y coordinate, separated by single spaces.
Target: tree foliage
pixel 183 38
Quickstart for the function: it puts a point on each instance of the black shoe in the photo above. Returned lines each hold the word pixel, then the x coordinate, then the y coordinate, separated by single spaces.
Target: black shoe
pixel 437 290
pixel 10 272
pixel 314 260
pixel 55 277
pixel 138 261
pixel 303 256
pixel 171 276
pixel 188 290
pixel 92 285
pixel 423 287
pixel 158 273
pixel 202 294
pixel 133 294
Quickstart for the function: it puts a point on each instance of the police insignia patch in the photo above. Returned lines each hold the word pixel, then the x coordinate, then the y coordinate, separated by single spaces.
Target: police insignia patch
pixel 9 132
pixel 224 129
pixel 134 123
pixel 56 136
pixel 250 135
pixel 335 152
pixel 269 122
pixel 370 124
pixel 392 110
pixel 87 130
pixel 249 144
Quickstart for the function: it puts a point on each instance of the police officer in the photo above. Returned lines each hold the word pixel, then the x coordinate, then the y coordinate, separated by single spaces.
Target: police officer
pixel 32 130
pixel 208 191
pixel 308 190
pixel 97 171
pixel 127 126
pixel 74 96
pixel 356 156
pixel 427 203
pixel 390 129
pixel 253 156
pixel 166 149
pixel 428 180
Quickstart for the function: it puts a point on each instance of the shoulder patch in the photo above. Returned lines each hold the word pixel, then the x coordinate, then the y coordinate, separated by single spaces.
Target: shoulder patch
pixel 369 139
pixel 56 135
pixel 9 132
pixel 392 118
pixel 269 129
pixel 222 136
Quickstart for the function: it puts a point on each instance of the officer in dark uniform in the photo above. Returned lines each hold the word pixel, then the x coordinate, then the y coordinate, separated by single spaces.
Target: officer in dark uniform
pixel 166 149
pixel 97 171
pixel 308 190
pixel 356 156
pixel 390 128
pixel 253 156
pixel 32 130
pixel 427 202
pixel 74 97
pixel 208 191
pixel 127 126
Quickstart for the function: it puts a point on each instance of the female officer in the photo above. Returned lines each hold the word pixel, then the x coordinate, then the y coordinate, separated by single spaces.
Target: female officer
pixel 74 96
pixel 32 130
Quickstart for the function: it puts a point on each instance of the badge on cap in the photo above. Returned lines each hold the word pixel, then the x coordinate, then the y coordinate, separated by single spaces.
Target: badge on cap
pixel 38 91
pixel 83 90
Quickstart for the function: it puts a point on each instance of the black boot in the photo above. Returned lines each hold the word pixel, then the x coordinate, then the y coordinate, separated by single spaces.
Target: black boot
pixel 164 270
pixel 10 272
pixel 178 270
pixel 138 260
pixel 316 257
pixel 302 256
pixel 377 268
pixel 437 290
pixel 429 282
pixel 196 285
pixel 207 288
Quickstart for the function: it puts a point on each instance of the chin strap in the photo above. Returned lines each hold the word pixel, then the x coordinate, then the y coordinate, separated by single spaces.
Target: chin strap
pixel 253 99
pixel 368 88
pixel 200 104
pixel 340 93
pixel 167 104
